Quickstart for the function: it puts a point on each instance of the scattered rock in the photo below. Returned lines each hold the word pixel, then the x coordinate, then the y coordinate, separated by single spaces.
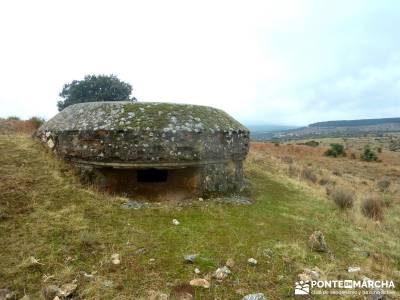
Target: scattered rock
pixel 108 283
pixel 238 200
pixel 50 291
pixel 230 263
pixel 200 282
pixel 6 294
pixel 310 274
pixel 25 297
pixel 67 289
pixel 154 295
pixel 222 273
pixel 140 251
pixel 317 242
pixel 175 222
pixel 258 296
pixel 353 269
pixel 201 199
pixel 115 259
pixel 183 291
pixel 87 276
pixel 132 204
pixel 32 261
pixel 252 261
pixel 151 260
pixel 197 270
pixel 189 258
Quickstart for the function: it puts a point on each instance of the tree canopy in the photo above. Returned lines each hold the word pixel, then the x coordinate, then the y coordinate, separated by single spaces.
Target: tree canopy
pixel 95 88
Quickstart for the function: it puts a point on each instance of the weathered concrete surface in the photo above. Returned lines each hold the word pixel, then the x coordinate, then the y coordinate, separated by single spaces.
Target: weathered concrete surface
pixel 152 135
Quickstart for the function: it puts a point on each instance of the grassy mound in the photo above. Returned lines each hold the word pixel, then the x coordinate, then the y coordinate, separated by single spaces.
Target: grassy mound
pixel 70 229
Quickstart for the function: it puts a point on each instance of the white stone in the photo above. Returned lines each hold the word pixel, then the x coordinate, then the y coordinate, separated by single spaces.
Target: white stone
pixel 258 296
pixel 175 222
pixel 115 259
pixel 200 282
pixel 252 261
pixel 353 269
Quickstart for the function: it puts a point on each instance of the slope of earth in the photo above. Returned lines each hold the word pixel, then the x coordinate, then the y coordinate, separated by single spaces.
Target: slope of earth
pixel 55 231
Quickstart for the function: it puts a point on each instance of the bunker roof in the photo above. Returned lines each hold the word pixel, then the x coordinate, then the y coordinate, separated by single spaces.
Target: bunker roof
pixel 155 116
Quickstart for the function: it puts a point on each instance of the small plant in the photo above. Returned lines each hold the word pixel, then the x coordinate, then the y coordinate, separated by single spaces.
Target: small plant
pixel 13 118
pixel 335 150
pixel 379 149
pixel 88 240
pixel 36 121
pixel 372 207
pixel 309 174
pixel 383 184
pixel 312 143
pixel 394 144
pixel 287 159
pixel 368 154
pixel 324 181
pixel 342 197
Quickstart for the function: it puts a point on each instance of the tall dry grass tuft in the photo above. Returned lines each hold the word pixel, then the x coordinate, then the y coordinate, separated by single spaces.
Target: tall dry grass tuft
pixel 383 184
pixel 372 207
pixel 342 197
pixel 309 174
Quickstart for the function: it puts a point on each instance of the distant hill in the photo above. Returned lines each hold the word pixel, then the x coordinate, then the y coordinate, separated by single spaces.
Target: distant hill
pixel 362 122
pixel 342 128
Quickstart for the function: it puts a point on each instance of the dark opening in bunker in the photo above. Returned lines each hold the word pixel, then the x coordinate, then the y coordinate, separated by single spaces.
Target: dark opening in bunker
pixel 152 175
pixel 151 184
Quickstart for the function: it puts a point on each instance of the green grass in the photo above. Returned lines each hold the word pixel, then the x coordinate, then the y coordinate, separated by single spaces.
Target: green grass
pixel 71 228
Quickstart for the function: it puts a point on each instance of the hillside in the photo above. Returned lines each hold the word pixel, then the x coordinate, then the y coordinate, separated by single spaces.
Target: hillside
pixel 344 128
pixel 56 231
pixel 361 122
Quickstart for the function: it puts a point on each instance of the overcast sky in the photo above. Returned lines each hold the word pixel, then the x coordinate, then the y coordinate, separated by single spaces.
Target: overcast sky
pixel 275 62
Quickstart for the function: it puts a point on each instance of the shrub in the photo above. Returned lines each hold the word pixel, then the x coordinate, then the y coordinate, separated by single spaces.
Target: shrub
pixel 324 181
pixel 309 174
pixel 342 197
pixel 13 118
pixel 372 207
pixel 37 121
pixel 383 184
pixel 394 144
pixel 287 159
pixel 368 154
pixel 312 143
pixel 379 149
pixel 335 150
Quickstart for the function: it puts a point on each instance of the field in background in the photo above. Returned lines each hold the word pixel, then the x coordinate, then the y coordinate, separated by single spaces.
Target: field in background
pixel 73 231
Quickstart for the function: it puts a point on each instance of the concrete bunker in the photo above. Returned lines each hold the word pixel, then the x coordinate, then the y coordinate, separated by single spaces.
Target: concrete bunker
pixel 153 151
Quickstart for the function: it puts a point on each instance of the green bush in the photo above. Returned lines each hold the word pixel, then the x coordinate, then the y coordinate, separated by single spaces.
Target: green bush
pixel 95 88
pixel 335 150
pixel 13 118
pixel 312 143
pixel 368 154
pixel 37 121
